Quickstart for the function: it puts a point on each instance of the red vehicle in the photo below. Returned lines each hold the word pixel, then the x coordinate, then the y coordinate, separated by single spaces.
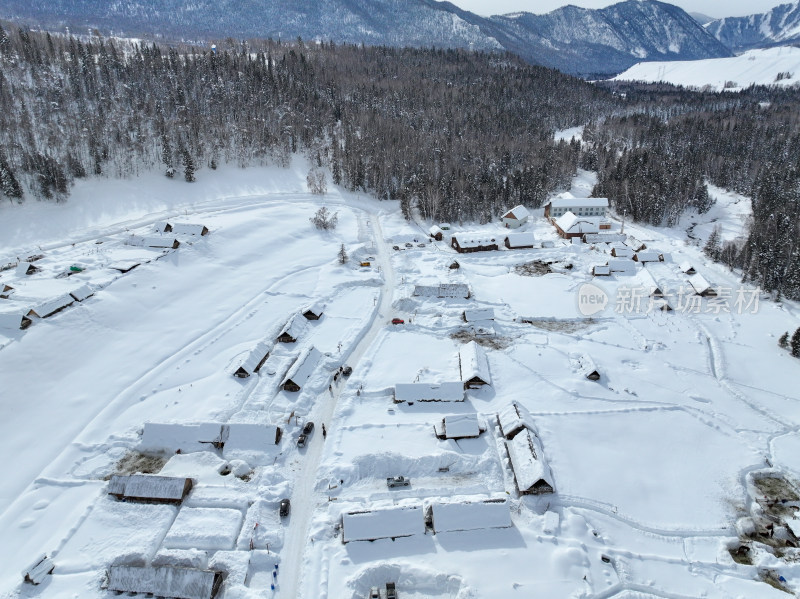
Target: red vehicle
pixel 398 321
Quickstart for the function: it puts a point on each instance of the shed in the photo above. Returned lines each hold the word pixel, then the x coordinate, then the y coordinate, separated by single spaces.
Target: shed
pixel 701 286
pixel 436 232
pixel 470 515
pixel 647 283
pixel 166 581
pixel 477 314
pixel 516 217
pixel 458 426
pixel 648 256
pixel 5 290
pixel 36 572
pixel 26 268
pixel 621 251
pixel 635 244
pixel 124 266
pixel 466 243
pixel 181 437
pixel 584 366
pixel 292 330
pixel 301 370
pixel 601 270
pixel 604 237
pixel 150 488
pixel 531 473
pixel 622 266
pixel 474 366
pixel 570 226
pixel 157 241
pixel 412 392
pixel 249 436
pixel 186 229
pixel 442 290
pixel 254 360
pixel 52 306
pixel 520 240
pixel 687 268
pixel 313 311
pixel 512 420
pixel 391 523
pixel 82 293
pixel 14 320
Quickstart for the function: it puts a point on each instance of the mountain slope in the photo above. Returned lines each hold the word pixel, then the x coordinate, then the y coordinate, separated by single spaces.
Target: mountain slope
pixel 781 25
pixel 574 40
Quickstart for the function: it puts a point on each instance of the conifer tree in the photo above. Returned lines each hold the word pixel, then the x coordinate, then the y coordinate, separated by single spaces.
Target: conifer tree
pixel 796 343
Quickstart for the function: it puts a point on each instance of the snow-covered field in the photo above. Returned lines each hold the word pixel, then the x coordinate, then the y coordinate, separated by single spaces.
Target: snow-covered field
pixel 649 463
pixel 754 67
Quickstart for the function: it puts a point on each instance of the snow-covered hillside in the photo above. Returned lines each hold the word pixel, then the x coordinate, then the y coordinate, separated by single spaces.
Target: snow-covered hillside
pixel 654 430
pixel 773 66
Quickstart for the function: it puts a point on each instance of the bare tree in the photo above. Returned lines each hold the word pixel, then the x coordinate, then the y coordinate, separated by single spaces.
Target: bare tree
pixel 324 220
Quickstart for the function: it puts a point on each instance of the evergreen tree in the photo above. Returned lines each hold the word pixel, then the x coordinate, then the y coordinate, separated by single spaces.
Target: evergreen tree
pixel 188 166
pixel 343 257
pixel 783 342
pixel 796 343
pixel 8 182
pixel 713 246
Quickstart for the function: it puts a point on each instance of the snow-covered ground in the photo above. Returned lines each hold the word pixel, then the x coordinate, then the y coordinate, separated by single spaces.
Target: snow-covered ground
pixel 755 67
pixel 649 463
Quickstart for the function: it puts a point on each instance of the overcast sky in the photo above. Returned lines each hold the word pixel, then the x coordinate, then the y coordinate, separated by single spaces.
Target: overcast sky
pixel 712 8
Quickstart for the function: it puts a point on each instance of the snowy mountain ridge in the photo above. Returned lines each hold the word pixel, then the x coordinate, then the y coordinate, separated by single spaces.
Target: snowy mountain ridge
pixel 780 25
pixel 574 40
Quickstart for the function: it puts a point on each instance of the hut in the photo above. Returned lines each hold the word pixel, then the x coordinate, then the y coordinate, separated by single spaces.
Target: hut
pixel 477 514
pixel 436 233
pixel 687 268
pixel 512 420
pixel 391 523
pixel 35 573
pixel 424 392
pixel 584 366
pixel 515 218
pixel 53 306
pixel 622 266
pixel 301 370
pixel 604 237
pixel 190 229
pixel 601 270
pixel 82 293
pixel 247 437
pixel 165 581
pixel 314 311
pixel 292 330
pixel 648 256
pixel 154 241
pixel 26 268
pixel 458 426
pixel 619 250
pixel 442 290
pixel 519 240
pixel 124 266
pixel 635 244
pixel 531 473
pixel 570 226
pixel 474 366
pixel 467 243
pixel 477 314
pixel 5 290
pixel 161 437
pixel 14 320
pixel 150 488
pixel 254 360
pixel 701 286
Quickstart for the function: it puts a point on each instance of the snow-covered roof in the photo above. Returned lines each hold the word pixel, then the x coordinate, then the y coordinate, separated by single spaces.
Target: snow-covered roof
pixel 687 268
pixel 472 240
pixel 411 392
pixel 255 359
pixel 435 230
pixel 247 436
pixel 23 268
pixel 602 269
pixel 579 203
pixel 41 567
pixel 621 251
pixel 699 284
pixel 644 279
pixel 471 515
pixel 52 306
pixel 478 314
pixel 635 244
pixel 459 426
pixel 520 239
pixel 157 436
pixel 622 266
pixel 188 229
pixel 153 241
pixel 583 365
pixel 149 486
pixel 527 461
pixel 303 367
pixel 124 265
pixel 295 327
pixel 517 212
pixel 401 521
pixel 12 320
pixel 648 256
pixel 83 292
pixel 316 309
pixel 511 420
pixel 164 581
pixel 604 237
pixel 571 223
pixel 456 290
pixel 473 364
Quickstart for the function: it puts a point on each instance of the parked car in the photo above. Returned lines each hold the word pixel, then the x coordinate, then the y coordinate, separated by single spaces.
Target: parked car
pixel 366 264
pixel 395 247
pixel 374 593
pixel 284 508
pixel 347 371
pixel 391 591
pixel 301 440
pixel 397 481
pixel 398 321
pixel 309 426
pixel 409 245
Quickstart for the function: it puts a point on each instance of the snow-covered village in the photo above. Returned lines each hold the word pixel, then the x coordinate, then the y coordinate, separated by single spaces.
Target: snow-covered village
pixel 400 300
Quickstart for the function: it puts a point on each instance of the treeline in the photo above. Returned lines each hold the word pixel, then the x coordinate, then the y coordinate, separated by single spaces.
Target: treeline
pixel 460 135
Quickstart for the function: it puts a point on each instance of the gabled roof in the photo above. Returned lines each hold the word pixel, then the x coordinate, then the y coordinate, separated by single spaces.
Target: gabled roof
pixel 303 367
pixel 579 202
pixel 52 306
pixel 412 392
pixel 622 266
pixel 687 268
pixel 455 290
pixel 604 237
pixel 153 241
pixel 435 230
pixel 512 420
pixel 13 320
pixel 571 223
pixel 294 327
pixel 478 314
pixel 389 523
pixel 188 229
pixel 316 309
pixel 520 239
pixel 621 250
pixel 471 240
pixel 473 364
pixel 647 282
pixel 83 292
pixel 601 270
pixel 148 487
pixel 517 212
pixel 460 426
pixel 527 461
pixel 584 365
pixel 185 438
pixel 246 436
pixel 255 359
pixel 648 256
pixel 699 284
pixel 26 268
pixel 471 515
pixel 165 581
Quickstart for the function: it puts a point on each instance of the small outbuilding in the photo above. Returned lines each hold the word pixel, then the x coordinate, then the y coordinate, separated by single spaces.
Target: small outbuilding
pixel 424 392
pixel 292 330
pixel 436 233
pixel 53 306
pixel 520 240
pixel 314 311
pixel 150 488
pixel 604 238
pixel 531 473
pixel 154 241
pixel 14 321
pixel 41 567
pixel 477 314
pixel 635 244
pixel 5 290
pixel 166 581
pixel 473 366
pixel 648 256
pixel 622 266
pixel 512 420
pixel 570 226
pixel 192 229
pixel 301 370
pixel 254 360
pixel 391 523
pixel 601 270
pixel 26 268
pixel 584 366
pixel 619 250
pixel 701 286
pixel 124 266
pixel 516 217
pixel 687 268
pixel 458 426
pixel 455 516
pixel 82 293
pixel 466 243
